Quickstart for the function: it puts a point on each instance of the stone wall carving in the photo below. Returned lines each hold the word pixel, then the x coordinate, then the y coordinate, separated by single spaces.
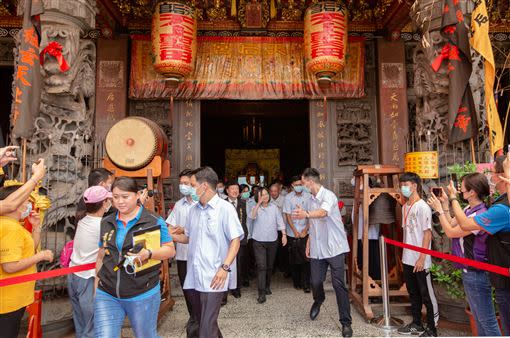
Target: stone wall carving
pixel 63 133
pixel 7 45
pixel 354 133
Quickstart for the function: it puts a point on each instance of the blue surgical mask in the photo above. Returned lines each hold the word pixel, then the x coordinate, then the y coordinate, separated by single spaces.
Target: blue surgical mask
pixel 184 189
pixel 299 189
pixel 193 194
pixel 27 211
pixel 220 190
pixel 406 191
pixel 245 195
pixel 305 189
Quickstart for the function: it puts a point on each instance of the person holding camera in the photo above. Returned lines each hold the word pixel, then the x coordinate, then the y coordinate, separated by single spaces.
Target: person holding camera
pixel 123 285
pixel 473 245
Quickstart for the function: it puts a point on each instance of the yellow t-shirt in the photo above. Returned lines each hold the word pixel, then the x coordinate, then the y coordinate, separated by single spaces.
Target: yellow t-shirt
pixel 16 243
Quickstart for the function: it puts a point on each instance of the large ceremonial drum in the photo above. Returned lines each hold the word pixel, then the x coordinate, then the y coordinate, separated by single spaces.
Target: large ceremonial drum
pixel 132 143
pixel 174 39
pixel 325 39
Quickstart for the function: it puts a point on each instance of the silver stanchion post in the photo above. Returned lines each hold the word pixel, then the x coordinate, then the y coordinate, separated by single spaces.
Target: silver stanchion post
pixel 386 321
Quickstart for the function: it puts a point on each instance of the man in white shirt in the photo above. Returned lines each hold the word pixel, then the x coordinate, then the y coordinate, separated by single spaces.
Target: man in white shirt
pixel 214 233
pixel 176 222
pixel 80 285
pixel 297 231
pixel 282 253
pixel 327 245
pixel 417 226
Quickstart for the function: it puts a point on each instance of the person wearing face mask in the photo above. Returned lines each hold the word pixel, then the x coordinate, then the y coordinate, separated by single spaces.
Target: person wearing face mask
pixel 80 285
pixel 245 191
pixel 267 221
pixel 417 225
pixel 496 222
pixel 472 245
pixel 176 221
pixel 214 234
pixel 18 257
pixel 297 231
pixel 326 247
pixel 220 189
pixel 374 267
pixel 101 177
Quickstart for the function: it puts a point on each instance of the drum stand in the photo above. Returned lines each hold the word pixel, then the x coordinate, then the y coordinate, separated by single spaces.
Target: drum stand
pixel 158 168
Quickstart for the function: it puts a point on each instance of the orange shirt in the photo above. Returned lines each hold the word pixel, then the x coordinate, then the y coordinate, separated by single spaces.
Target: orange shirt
pixel 16 243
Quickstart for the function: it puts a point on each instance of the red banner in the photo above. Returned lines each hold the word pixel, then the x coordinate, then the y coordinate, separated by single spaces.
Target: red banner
pixel 247 68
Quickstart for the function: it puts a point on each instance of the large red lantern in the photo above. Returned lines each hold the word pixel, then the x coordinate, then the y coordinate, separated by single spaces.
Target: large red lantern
pixel 325 39
pixel 174 40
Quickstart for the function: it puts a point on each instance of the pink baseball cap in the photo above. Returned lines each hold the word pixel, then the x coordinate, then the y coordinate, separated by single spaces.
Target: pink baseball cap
pixel 96 194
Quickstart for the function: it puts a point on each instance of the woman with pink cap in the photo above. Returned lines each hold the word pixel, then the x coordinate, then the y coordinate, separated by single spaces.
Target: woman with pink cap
pixel 81 284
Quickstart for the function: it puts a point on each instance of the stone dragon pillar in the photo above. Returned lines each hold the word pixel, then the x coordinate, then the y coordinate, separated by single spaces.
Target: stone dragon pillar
pixel 63 133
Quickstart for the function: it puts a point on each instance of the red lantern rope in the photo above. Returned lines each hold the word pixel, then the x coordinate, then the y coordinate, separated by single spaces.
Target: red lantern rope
pixel 55 49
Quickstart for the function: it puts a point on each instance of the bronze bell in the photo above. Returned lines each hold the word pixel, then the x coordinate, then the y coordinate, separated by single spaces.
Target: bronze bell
pixel 382 210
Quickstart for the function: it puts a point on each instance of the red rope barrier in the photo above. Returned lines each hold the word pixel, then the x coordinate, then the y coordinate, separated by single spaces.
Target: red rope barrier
pixel 45 274
pixel 464 261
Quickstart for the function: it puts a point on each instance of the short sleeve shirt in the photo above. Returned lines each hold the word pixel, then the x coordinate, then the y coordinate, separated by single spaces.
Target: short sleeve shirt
pixel 416 219
pixel 494 220
pixel 178 217
pixel 210 229
pixel 292 201
pixel 16 243
pixel 327 234
pixel 267 223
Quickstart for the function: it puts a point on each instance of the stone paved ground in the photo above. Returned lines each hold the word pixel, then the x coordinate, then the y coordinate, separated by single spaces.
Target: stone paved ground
pixel 285 314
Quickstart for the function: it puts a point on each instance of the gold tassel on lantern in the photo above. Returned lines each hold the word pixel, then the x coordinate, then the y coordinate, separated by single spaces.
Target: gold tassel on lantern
pixel 233 8
pixel 273 10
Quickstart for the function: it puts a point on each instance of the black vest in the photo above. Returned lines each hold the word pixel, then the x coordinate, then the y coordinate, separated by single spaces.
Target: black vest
pixel 498 252
pixel 119 283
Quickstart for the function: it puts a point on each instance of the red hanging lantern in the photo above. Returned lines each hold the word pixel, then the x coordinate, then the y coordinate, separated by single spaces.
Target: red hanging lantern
pixel 174 40
pixel 325 40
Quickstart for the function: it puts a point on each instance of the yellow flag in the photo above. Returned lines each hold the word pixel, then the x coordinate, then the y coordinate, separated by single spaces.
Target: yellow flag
pixel 481 43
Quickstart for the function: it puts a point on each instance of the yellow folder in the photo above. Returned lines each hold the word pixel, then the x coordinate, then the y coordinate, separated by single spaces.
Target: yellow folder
pixel 151 238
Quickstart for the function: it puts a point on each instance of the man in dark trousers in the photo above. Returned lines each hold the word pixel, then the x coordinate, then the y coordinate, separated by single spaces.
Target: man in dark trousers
pixel 214 233
pixel 232 190
pixel 326 247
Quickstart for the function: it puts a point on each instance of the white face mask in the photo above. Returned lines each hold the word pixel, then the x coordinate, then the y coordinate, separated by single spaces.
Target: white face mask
pixel 27 211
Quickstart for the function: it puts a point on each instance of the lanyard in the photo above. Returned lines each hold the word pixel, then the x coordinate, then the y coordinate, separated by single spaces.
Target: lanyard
pixel 406 214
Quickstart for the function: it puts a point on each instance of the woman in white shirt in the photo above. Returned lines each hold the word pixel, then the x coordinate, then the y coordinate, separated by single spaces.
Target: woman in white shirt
pixel 80 285
pixel 267 221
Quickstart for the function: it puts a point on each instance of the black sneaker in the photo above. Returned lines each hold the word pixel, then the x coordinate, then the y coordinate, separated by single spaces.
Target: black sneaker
pixel 429 332
pixel 411 329
pixel 346 331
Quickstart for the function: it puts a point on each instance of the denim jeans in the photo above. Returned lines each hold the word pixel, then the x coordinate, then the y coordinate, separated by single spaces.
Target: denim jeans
pixel 503 300
pixel 477 287
pixel 81 294
pixel 109 314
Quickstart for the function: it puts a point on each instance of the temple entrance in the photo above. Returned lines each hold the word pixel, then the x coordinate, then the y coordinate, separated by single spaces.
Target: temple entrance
pixel 259 140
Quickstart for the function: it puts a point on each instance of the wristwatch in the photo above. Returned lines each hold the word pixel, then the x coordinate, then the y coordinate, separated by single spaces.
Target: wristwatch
pixel 150 254
pixel 226 267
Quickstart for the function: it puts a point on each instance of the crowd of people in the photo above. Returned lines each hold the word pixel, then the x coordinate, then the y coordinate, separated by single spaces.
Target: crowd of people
pixel 224 236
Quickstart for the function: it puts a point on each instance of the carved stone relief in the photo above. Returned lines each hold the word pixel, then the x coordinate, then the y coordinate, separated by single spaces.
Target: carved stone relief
pixel 63 133
pixel 7 46
pixel 354 129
